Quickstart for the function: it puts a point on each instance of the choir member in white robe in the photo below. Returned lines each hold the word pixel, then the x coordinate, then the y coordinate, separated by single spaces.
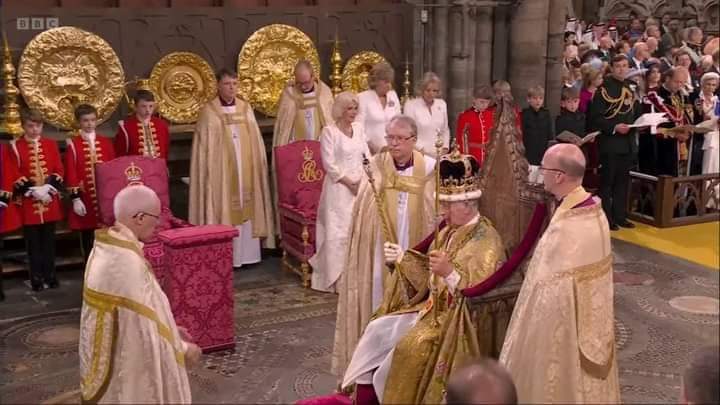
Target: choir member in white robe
pixel 430 114
pixel 378 105
pixel 131 350
pixel 343 147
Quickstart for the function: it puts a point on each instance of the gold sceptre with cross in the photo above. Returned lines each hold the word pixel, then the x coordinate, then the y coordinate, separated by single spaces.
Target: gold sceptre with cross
pixel 436 242
pixel 388 231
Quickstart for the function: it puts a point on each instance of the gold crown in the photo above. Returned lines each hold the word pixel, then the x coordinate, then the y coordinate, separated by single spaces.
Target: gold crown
pixel 458 173
pixel 133 174
pixel 307 154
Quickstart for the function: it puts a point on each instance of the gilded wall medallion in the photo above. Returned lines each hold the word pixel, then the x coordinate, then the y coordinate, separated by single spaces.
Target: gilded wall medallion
pixel 183 82
pixel 63 67
pixel 356 71
pixel 266 63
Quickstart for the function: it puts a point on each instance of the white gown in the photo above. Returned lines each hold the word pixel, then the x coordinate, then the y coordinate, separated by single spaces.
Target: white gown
pixel 711 146
pixel 374 117
pixel 246 249
pixel 342 157
pixel 430 122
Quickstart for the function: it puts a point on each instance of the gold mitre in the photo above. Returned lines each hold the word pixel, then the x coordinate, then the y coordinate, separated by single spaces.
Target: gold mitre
pixel 459 177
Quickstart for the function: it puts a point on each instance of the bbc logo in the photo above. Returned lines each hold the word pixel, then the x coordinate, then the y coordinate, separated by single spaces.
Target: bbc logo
pixel 37 23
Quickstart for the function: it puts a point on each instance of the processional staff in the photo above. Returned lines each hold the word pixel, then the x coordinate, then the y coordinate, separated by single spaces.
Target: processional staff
pixel 388 232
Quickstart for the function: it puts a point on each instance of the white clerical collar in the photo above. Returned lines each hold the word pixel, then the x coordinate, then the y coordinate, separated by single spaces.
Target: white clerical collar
pixel 88 136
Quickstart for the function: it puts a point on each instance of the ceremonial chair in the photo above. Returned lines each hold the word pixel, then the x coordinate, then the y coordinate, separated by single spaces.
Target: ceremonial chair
pixel 193 264
pixel 300 177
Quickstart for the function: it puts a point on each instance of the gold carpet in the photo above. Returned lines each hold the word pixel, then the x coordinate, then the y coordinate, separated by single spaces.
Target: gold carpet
pixel 696 243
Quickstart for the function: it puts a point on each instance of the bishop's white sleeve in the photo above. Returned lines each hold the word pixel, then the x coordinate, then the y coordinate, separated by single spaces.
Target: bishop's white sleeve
pixel 452 280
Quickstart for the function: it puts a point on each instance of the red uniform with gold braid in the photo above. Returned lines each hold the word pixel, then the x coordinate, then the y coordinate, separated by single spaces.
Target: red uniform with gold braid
pixel 34 163
pixel 134 138
pixel 80 160
pixel 478 124
pixel 9 209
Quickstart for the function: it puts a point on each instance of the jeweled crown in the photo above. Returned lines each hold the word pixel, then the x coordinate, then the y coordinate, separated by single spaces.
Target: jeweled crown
pixel 133 174
pixel 458 173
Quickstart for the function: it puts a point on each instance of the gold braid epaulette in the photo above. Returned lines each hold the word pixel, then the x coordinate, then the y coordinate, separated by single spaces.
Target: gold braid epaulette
pixel 616 104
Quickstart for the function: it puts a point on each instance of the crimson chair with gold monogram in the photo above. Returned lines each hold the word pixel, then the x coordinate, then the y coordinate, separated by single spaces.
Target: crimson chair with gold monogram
pixel 193 264
pixel 300 177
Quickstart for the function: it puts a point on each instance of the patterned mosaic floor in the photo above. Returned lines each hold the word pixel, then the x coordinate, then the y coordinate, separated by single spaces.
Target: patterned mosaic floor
pixel 665 309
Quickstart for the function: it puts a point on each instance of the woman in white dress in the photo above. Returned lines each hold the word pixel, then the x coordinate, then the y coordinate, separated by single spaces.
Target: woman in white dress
pixel 343 145
pixel 378 105
pixel 711 146
pixel 430 114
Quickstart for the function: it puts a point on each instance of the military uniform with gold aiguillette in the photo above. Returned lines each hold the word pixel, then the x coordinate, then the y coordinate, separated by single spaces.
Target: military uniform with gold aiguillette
pixel 614 103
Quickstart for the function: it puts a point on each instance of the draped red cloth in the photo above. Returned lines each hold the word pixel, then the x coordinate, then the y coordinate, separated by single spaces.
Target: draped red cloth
pixel 531 235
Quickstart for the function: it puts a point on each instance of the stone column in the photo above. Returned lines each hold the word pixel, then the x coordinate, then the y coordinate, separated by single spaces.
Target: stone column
pixel 483 46
pixel 501 40
pixel 440 41
pixel 553 80
pixel 528 47
pixel 458 77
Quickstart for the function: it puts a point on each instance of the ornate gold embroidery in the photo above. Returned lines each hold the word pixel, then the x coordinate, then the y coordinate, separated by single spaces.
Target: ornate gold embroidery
pixel 310 173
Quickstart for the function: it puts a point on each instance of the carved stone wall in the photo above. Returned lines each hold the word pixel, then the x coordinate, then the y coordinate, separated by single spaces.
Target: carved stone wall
pixel 142 37
pixel 705 13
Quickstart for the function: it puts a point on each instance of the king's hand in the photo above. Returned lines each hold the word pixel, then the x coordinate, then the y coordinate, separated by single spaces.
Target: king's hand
pixel 393 252
pixel 439 263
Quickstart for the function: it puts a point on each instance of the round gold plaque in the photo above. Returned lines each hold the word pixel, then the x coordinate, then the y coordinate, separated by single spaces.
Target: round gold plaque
pixel 183 82
pixel 66 66
pixel 356 70
pixel 266 63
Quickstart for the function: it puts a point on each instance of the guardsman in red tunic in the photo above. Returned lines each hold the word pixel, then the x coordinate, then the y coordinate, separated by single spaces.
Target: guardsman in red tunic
pixel 143 134
pixel 84 150
pixel 34 170
pixel 474 125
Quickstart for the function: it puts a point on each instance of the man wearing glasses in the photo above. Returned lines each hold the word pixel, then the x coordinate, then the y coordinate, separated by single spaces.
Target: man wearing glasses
pixel 131 350
pixel 560 343
pixel 397 211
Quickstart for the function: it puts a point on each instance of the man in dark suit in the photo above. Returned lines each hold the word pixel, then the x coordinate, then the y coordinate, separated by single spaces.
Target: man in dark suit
pixel 614 106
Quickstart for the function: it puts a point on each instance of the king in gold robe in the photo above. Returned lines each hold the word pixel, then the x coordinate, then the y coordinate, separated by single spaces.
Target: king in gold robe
pixel 423 330
pixel 560 344
pixel 228 176
pixel 407 201
pixel 131 350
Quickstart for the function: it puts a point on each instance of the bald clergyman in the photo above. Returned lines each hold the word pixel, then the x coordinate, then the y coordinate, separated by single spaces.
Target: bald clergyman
pixel 560 344
pixel 131 350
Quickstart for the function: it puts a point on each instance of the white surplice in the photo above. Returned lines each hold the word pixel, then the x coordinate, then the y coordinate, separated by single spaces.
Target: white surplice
pixel 246 249
pixel 374 117
pixel 342 157
pixel 402 229
pixel 430 122
pixel 129 347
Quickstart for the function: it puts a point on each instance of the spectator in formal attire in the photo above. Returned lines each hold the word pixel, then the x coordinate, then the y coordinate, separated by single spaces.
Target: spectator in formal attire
pixel 652 44
pixel 570 56
pixel 701 379
pixel 692 44
pixel 664 25
pixel 672 38
pixel 378 105
pixel 682 58
pixel 640 55
pixel 605 46
pixel 570 119
pixel 483 381
pixel 707 105
pixel 636 30
pixel 536 127
pixel 592 79
pixel 653 79
pixel 429 111
pixel 622 47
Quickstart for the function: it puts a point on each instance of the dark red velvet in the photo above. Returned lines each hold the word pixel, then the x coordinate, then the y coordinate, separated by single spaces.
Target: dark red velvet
pixel 531 236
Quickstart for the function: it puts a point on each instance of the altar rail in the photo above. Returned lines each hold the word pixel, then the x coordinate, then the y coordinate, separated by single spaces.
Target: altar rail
pixel 666 201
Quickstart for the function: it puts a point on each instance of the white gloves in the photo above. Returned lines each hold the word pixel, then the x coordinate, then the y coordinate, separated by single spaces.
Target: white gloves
pixel 42 193
pixel 3 205
pixel 393 252
pixel 79 207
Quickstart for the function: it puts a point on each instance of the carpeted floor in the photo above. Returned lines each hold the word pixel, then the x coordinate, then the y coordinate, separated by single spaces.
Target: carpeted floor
pixel 696 243
pixel 665 309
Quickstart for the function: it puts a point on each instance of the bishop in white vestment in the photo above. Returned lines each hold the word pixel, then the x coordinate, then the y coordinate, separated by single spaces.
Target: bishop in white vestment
pixel 131 351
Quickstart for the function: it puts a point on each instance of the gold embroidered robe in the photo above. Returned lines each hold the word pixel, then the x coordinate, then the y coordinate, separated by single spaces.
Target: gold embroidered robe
pixel 130 349
pixel 560 344
pixel 290 122
pixel 440 334
pixel 364 272
pixel 215 196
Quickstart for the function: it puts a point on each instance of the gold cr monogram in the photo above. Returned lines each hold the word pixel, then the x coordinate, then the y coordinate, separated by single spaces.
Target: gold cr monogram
pixel 309 173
